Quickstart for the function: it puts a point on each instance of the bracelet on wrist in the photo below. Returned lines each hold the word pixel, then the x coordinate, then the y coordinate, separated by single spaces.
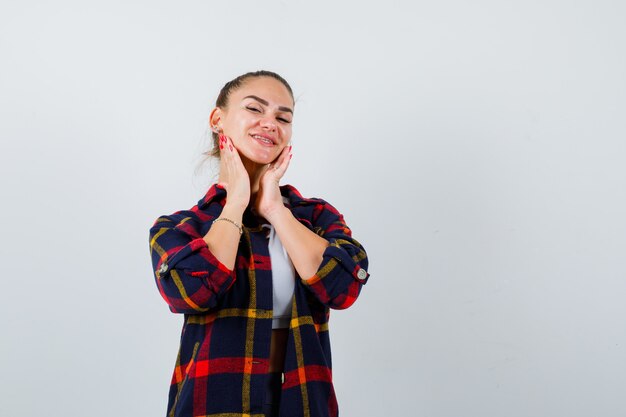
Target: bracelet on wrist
pixel 237 225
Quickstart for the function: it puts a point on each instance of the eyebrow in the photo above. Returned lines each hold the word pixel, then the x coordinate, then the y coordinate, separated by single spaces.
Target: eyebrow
pixel 260 100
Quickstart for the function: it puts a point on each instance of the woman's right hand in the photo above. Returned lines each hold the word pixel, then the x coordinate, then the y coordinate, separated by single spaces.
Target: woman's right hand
pixel 233 175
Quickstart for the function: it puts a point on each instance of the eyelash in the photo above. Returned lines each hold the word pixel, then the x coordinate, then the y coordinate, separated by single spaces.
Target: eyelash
pixel 280 118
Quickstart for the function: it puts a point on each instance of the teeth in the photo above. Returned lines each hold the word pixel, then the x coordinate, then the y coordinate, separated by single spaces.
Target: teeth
pixel 263 139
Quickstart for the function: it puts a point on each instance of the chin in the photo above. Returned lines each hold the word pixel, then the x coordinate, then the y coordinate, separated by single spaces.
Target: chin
pixel 261 159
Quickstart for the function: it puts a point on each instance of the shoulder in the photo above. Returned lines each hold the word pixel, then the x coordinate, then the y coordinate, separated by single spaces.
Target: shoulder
pixel 180 220
pixel 207 208
pixel 313 210
pixel 191 220
pixel 296 197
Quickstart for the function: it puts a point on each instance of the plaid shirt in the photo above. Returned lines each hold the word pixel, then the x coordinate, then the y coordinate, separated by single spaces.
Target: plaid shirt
pixel 223 359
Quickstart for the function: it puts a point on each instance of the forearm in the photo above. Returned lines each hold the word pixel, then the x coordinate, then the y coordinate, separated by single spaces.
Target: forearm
pixel 304 247
pixel 223 237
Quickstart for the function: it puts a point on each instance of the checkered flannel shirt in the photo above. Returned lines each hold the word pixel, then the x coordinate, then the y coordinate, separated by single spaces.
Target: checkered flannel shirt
pixel 223 359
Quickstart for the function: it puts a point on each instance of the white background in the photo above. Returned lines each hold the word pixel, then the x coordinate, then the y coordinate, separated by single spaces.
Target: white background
pixel 476 149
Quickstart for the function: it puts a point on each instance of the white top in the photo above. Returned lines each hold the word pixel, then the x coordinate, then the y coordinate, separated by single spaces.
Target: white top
pixel 283 280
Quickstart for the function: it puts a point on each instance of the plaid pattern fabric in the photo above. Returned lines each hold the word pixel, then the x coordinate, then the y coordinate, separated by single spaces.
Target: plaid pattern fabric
pixel 224 351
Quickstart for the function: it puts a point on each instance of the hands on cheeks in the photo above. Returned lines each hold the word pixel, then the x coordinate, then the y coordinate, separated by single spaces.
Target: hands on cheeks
pixel 237 181
pixel 269 199
pixel 235 178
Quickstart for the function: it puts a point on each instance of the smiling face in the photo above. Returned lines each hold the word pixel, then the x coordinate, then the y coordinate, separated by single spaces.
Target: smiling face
pixel 257 119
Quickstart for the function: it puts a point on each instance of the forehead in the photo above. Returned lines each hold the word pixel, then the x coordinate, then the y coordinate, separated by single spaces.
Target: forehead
pixel 266 88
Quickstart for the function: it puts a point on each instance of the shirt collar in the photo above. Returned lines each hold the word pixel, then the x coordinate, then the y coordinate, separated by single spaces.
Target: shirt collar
pixel 215 193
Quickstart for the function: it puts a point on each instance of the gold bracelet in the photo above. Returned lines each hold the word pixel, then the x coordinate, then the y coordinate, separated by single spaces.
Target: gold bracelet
pixel 231 221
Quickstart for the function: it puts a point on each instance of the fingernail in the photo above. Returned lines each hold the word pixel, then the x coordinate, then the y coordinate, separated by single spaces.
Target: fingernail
pixel 290 146
pixel 290 155
pixel 231 147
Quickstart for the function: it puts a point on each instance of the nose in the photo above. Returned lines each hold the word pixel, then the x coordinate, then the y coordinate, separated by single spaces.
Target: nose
pixel 268 124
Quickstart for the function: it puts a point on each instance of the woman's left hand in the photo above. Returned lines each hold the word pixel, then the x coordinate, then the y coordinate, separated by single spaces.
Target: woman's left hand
pixel 269 201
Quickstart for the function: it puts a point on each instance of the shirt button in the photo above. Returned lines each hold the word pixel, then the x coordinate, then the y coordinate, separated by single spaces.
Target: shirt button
pixel 362 274
pixel 163 268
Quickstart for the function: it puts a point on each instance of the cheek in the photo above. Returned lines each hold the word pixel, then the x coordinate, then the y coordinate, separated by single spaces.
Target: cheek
pixel 245 122
pixel 287 132
pixel 243 126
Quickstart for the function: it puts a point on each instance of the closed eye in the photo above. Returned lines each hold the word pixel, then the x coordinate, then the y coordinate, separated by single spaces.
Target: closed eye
pixel 282 119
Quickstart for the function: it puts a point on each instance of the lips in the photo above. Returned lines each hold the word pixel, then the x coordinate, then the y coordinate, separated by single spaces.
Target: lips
pixel 263 139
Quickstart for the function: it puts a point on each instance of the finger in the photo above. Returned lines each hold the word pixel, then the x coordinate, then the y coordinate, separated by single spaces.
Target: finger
pixel 228 164
pixel 230 154
pixel 285 157
pixel 223 146
pixel 225 155
pixel 281 167
pixel 230 145
pixel 225 143
pixel 280 159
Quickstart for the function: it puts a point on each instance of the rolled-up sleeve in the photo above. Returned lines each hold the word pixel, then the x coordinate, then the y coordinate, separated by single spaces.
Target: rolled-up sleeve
pixel 189 277
pixel 343 270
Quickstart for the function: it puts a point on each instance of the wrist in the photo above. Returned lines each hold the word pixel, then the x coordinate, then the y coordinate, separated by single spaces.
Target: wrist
pixel 233 211
pixel 276 215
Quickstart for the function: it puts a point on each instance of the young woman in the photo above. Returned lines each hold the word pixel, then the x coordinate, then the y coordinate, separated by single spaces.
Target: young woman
pixel 255 268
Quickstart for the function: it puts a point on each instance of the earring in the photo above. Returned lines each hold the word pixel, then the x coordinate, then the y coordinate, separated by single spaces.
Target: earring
pixel 216 129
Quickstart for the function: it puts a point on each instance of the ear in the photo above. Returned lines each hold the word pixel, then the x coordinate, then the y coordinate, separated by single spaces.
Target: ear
pixel 215 119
